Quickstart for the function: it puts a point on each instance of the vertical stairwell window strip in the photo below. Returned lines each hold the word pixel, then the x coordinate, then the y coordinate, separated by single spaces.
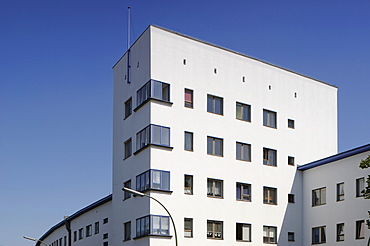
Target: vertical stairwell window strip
pixel 215 105
pixel 153 134
pixel 153 89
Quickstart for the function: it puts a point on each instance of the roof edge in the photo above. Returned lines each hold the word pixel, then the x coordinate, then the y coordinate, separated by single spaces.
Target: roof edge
pixel 335 157
pixel 75 215
pixel 238 53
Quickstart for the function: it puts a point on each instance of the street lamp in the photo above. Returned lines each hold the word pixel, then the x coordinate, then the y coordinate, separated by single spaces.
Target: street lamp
pixel 142 195
pixel 34 239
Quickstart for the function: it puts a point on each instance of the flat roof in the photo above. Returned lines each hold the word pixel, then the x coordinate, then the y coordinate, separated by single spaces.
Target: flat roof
pixel 225 49
pixel 336 157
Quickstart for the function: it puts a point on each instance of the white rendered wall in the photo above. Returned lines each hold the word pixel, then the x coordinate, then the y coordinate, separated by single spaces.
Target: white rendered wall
pixel 332 213
pixel 315 136
pixel 97 214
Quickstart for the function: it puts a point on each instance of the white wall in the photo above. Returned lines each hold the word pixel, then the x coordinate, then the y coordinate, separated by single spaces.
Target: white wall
pixel 332 213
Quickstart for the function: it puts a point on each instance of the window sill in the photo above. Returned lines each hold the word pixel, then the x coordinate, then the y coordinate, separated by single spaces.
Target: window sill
pixel 243 241
pixel 248 121
pixel 318 205
pixel 243 200
pixel 273 204
pixel 126 157
pixel 153 235
pixel 270 165
pixel 216 155
pixel 166 103
pixel 244 160
pixel 215 113
pixel 217 197
pixel 270 127
pixel 156 190
pixel 153 145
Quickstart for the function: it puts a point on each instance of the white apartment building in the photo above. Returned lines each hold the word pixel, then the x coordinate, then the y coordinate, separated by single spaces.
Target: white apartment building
pixel 220 138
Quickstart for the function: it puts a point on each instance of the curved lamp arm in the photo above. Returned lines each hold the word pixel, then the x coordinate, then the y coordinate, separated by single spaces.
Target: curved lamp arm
pixel 34 239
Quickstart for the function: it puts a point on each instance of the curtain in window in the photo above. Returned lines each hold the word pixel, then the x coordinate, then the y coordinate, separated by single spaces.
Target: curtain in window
pixel 272 158
pixel 210 187
pixel 246 233
pixel 239 111
pixel 165 226
pixel 218 188
pixel 156 225
pixel 238 191
pixel 218 147
pixel 209 229
pixel 218 229
pixel 323 196
pixel 156 177
pixel 272 234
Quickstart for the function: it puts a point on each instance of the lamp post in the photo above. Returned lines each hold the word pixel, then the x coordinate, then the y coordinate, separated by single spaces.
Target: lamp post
pixel 34 239
pixel 142 195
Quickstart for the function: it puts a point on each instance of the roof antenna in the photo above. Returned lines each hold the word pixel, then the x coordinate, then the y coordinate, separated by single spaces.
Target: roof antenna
pixel 128 28
pixel 128 47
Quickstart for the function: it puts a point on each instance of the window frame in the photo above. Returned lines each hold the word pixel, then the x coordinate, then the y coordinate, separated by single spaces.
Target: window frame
pixel 187 103
pixel 212 104
pixel 270 195
pixel 360 229
pixel 127 148
pixel 188 136
pixel 211 190
pixel 127 108
pixel 340 232
pixel 148 226
pixel 188 186
pixel 360 182
pixel 291 198
pixel 291 236
pixel 153 89
pixel 145 180
pixel 188 227
pixel 317 201
pixel 212 144
pixel 89 230
pixel 340 192
pixel 96 228
pixel 269 118
pixel 291 123
pixel 245 112
pixel 291 161
pixel 240 235
pixel 241 150
pixel 267 239
pixel 145 137
pixel 211 233
pixel 80 233
pixel 240 195
pixel 127 184
pixel 269 157
pixel 321 235
pixel 127 231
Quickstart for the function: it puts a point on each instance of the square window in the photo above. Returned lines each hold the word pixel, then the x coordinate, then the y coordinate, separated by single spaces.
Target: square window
pixel 291 160
pixel 243 111
pixel 269 118
pixel 243 232
pixel 360 229
pixel 188 141
pixel 126 194
pixel 128 108
pixel 243 192
pixel 127 231
pixel 188 184
pixel 105 243
pixel 291 237
pixel 269 195
pixel 319 197
pixel 290 123
pixel 214 229
pixel 243 151
pixel 318 235
pixel 105 221
pixel 105 235
pixel 360 187
pixel 128 148
pixel 188 227
pixel 340 192
pixel 215 104
pixel 269 234
pixel 291 198
pixel 214 188
pixel 269 157
pixel 214 146
pixel 340 232
pixel 188 98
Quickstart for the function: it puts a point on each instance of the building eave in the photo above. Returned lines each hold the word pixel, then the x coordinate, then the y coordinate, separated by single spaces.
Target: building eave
pixel 336 157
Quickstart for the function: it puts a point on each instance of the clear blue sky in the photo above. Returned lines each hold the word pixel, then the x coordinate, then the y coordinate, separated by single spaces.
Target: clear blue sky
pixel 56 84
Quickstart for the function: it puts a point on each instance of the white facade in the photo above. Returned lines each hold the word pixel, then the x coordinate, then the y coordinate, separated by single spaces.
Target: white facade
pixel 288 120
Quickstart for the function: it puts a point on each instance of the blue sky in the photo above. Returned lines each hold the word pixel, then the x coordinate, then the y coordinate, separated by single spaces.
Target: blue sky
pixel 56 84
